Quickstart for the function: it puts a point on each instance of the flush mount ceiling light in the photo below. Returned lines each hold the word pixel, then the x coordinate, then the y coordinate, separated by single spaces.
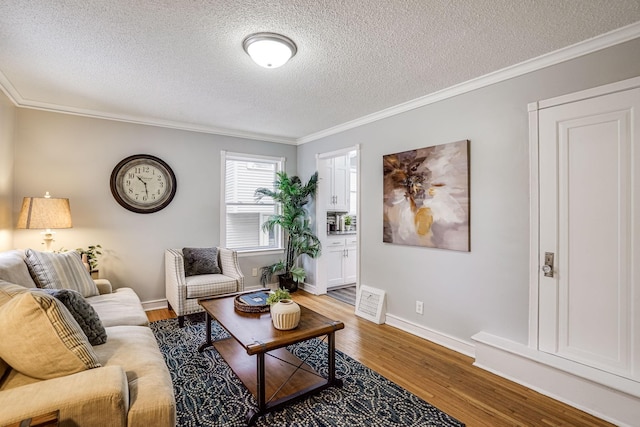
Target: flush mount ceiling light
pixel 269 50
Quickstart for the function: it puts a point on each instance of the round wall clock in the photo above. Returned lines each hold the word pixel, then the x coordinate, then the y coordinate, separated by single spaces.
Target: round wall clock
pixel 143 183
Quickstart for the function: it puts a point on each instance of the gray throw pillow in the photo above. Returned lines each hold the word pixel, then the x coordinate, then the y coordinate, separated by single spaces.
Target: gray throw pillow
pixel 82 312
pixel 200 261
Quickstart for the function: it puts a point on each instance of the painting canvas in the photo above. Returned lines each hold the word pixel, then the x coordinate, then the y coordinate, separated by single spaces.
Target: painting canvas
pixel 426 197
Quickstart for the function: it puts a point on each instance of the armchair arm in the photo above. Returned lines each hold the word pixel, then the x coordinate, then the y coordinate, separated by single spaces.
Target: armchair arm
pixel 230 267
pixel 104 286
pixel 96 397
pixel 174 279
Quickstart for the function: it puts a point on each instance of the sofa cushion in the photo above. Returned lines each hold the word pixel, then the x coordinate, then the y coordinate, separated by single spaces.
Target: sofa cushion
pixel 60 271
pixel 14 269
pixel 200 261
pixel 135 348
pixel 40 338
pixel 82 312
pixel 121 307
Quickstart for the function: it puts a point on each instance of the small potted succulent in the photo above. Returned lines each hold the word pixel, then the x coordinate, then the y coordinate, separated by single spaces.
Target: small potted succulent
pixel 347 222
pixel 285 313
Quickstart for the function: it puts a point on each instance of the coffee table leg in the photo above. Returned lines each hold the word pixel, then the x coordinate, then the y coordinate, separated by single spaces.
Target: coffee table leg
pixel 332 361
pixel 261 383
pixel 252 416
pixel 207 342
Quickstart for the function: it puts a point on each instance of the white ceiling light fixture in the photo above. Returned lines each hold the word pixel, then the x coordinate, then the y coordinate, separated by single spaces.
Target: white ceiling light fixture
pixel 269 50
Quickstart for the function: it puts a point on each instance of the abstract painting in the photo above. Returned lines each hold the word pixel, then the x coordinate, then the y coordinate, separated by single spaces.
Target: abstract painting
pixel 426 197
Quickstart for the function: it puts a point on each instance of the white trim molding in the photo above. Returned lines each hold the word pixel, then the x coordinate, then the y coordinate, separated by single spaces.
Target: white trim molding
pixel 585 47
pixel 156 304
pixel 596 392
pixel 455 344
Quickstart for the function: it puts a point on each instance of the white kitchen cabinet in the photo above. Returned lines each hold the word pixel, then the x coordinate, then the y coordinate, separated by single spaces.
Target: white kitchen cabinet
pixel 341 262
pixel 338 183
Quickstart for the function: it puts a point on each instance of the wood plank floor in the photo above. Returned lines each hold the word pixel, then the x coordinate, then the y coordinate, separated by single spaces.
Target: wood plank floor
pixel 442 377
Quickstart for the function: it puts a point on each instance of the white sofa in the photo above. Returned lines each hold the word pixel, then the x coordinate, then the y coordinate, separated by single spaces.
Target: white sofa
pixel 183 292
pixel 132 387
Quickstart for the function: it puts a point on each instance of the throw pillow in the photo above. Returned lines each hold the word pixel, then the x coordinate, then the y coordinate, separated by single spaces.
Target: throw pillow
pixel 200 261
pixel 9 290
pixel 40 338
pixel 60 271
pixel 82 312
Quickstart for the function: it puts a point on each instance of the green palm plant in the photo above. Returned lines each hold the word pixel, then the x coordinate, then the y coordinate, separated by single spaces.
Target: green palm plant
pixel 292 196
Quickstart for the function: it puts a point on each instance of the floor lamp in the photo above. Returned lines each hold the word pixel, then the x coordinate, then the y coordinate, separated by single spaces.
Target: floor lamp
pixel 45 213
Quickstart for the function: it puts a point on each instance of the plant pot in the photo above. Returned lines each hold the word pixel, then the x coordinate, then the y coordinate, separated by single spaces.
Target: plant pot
pixel 285 281
pixel 285 315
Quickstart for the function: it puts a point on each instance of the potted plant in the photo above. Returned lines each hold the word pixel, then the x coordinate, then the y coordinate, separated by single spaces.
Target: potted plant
pixel 285 313
pixel 91 253
pixel 278 295
pixel 292 196
pixel 347 222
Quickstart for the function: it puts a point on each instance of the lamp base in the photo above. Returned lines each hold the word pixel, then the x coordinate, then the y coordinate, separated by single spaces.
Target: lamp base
pixel 48 239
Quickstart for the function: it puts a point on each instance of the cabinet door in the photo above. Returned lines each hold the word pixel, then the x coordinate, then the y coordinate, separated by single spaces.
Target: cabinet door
pixel 341 183
pixel 331 199
pixel 350 264
pixel 335 265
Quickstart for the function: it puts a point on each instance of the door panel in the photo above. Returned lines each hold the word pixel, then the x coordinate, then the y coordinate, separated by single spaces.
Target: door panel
pixel 588 211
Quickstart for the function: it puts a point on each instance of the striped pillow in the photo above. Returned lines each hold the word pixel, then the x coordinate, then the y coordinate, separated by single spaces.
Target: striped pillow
pixel 34 319
pixel 60 271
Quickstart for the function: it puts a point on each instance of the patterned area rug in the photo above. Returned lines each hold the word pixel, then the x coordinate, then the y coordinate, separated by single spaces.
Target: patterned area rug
pixel 209 394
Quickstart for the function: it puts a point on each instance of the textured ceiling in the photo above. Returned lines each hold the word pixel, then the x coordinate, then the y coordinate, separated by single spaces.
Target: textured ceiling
pixel 181 62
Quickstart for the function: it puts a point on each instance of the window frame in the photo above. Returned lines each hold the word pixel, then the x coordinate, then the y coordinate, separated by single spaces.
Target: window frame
pixel 279 162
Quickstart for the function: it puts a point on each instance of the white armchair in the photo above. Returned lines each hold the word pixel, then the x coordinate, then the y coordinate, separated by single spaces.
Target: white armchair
pixel 183 292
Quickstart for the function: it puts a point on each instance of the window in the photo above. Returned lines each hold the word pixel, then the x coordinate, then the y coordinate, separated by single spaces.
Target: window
pixel 242 217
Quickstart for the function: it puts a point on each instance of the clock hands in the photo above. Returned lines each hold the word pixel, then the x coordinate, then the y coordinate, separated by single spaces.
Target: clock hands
pixel 145 185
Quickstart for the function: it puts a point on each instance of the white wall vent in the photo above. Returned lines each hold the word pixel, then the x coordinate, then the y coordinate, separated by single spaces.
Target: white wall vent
pixel 370 304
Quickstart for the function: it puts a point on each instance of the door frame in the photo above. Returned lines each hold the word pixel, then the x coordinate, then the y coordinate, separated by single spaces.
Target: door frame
pixel 534 189
pixel 320 283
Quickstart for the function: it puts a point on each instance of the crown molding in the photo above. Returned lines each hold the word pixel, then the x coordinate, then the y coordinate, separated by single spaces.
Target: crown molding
pixel 19 101
pixel 585 47
pixel 594 44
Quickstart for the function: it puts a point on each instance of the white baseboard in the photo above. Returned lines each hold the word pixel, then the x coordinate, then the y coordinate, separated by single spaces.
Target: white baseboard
pixel 607 396
pixel 312 289
pixel 154 304
pixel 452 343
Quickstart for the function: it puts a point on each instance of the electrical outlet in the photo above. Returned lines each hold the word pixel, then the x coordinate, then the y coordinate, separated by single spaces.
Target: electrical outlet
pixel 254 272
pixel 419 307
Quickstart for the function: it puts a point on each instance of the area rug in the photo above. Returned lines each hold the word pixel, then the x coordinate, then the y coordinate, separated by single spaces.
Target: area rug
pixel 209 394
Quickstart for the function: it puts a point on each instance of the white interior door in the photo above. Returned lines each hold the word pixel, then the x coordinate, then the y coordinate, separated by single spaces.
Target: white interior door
pixel 589 201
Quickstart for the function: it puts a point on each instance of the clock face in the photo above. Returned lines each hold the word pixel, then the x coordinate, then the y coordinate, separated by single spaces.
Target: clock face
pixel 143 183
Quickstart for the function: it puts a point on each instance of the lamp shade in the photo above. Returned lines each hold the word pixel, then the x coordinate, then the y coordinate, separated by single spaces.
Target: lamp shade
pixel 269 50
pixel 44 212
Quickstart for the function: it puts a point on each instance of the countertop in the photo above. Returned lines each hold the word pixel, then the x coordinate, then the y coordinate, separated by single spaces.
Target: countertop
pixel 341 233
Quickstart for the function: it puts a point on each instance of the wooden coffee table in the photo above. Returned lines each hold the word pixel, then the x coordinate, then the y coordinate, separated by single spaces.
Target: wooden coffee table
pixel 256 353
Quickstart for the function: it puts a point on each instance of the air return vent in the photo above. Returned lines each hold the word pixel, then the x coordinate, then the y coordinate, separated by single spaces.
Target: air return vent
pixel 370 303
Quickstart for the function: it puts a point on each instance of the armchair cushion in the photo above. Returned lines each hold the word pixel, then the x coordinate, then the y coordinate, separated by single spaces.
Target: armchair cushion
pixel 41 339
pixel 200 261
pixel 60 271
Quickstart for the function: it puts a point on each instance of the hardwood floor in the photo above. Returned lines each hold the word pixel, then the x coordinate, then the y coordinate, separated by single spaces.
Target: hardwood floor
pixel 442 377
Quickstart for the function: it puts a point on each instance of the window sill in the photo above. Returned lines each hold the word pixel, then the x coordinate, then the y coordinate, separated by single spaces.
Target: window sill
pixel 259 252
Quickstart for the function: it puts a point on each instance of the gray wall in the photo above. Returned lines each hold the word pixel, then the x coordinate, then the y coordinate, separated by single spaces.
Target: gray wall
pixel 487 288
pixel 73 157
pixel 7 121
